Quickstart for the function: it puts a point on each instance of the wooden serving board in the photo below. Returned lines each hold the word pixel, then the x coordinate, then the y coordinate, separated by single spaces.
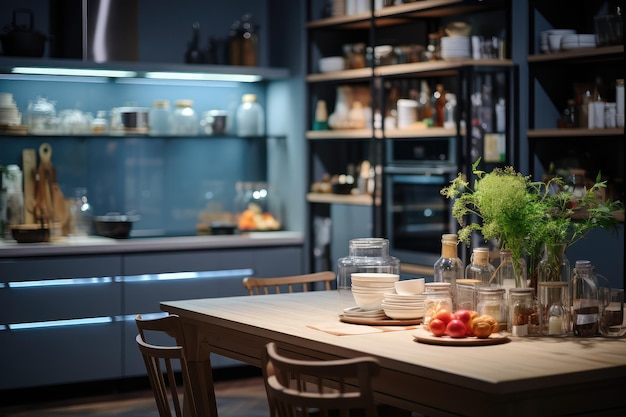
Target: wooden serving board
pixel 379 322
pixel 424 336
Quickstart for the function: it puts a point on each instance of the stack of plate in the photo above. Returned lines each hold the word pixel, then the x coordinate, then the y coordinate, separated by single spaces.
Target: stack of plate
pixel 545 35
pixel 576 41
pixel 403 307
pixel 358 313
pixel 407 112
pixel 9 114
pixel 455 47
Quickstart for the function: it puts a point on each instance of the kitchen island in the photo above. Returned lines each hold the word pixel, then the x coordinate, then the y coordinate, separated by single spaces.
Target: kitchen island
pixel 78 296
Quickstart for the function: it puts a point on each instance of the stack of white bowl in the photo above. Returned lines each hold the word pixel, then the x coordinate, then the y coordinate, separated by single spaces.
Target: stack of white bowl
pixel 9 114
pixel 553 45
pixel 407 112
pixel 455 47
pixel 369 288
pixel 407 301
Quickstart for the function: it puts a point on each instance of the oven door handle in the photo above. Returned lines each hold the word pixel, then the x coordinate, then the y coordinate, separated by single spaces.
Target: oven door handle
pixel 414 170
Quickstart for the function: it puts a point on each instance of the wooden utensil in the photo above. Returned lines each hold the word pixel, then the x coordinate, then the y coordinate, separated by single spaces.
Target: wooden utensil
pixel 50 205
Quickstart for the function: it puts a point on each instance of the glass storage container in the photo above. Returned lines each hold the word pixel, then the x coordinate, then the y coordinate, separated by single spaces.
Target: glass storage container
pixel 480 268
pixel 492 301
pixel 437 297
pixel 523 312
pixel 160 118
pixel 185 119
pixel 449 267
pixel 250 117
pixel 364 255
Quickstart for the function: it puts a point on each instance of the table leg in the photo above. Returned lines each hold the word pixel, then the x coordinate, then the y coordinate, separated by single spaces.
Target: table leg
pixel 200 371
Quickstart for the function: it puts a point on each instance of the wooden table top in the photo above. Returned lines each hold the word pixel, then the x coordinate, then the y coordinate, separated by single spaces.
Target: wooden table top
pixel 521 367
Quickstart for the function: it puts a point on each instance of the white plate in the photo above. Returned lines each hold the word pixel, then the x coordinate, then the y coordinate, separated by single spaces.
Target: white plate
pixel 357 312
pixel 403 315
pixel 569 47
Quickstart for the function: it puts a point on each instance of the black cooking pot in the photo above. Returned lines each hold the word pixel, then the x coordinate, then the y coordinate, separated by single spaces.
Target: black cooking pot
pixel 21 40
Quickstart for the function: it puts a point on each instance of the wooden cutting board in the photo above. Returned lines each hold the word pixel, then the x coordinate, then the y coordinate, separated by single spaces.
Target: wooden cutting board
pixel 50 204
pixel 29 164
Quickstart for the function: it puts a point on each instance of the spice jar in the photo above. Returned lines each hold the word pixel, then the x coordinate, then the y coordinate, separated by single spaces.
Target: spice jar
pixel 491 301
pixel 437 297
pixel 523 312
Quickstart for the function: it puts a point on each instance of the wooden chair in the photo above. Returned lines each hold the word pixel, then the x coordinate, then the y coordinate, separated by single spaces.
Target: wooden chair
pixel 257 286
pixel 300 388
pixel 162 362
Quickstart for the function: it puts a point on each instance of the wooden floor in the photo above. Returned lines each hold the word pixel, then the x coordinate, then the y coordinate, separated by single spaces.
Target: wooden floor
pixel 239 397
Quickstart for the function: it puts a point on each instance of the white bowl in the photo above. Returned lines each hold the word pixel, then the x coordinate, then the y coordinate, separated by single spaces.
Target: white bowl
pixel 362 277
pixel 373 284
pixel 410 286
pixel 368 301
pixel 403 315
pixel 332 63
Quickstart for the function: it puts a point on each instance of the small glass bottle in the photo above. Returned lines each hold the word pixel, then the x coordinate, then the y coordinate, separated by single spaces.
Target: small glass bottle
pixel 511 273
pixel 437 297
pixel 250 117
pixel 449 267
pixel 585 299
pixel 491 301
pixel 480 268
pixel 81 213
pixel 364 255
pixel 159 118
pixel 523 312
pixel 554 302
pixel 185 119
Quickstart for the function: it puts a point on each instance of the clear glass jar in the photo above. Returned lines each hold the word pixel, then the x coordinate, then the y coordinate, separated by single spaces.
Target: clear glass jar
pixel 523 312
pixel 586 300
pixel 42 116
pixel 100 124
pixel 554 302
pixel 81 214
pixel 491 301
pixel 449 267
pixel 160 118
pixel 364 255
pixel 185 119
pixel 466 292
pixel 437 297
pixel 480 268
pixel 250 117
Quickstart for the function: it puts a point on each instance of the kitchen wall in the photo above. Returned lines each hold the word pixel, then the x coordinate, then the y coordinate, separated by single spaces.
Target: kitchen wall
pixel 170 181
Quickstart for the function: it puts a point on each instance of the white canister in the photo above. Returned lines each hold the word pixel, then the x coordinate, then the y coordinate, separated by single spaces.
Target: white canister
pixel 159 118
pixel 407 112
pixel 250 117
pixel 609 115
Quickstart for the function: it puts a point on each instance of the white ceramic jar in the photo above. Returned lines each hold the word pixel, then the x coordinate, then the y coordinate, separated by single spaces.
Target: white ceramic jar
pixel 185 119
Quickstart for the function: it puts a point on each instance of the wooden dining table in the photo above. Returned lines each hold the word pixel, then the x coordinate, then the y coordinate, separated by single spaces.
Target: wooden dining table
pixel 526 376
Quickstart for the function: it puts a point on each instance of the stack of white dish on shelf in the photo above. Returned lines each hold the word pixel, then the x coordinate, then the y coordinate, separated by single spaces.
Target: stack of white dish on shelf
pixel 368 290
pixel 557 35
pixel 577 41
pixel 455 47
pixel 9 113
pixel 406 112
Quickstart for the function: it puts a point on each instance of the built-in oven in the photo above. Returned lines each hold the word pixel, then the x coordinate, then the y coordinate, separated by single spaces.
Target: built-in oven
pixel 415 212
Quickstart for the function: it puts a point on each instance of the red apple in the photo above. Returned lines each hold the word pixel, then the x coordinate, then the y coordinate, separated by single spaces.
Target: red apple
pixel 444 315
pixel 437 327
pixel 456 328
pixel 466 316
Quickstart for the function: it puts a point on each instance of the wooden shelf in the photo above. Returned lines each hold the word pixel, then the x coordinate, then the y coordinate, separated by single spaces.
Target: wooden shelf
pixel 353 75
pixel 343 134
pixel 583 54
pixel 565 133
pixel 355 200
pixel 433 132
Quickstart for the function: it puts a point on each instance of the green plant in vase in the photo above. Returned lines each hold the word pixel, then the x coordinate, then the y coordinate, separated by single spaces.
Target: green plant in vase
pixel 525 216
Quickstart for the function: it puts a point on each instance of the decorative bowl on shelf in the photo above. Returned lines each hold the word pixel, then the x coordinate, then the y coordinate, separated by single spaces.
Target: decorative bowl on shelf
pixel 30 233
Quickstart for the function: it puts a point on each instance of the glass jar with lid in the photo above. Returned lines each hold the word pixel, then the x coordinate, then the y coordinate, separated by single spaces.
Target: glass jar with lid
pixel 491 301
pixel 42 116
pixel 250 117
pixel 159 118
pixel 437 297
pixel 523 312
pixel 480 268
pixel 185 119
pixel 369 255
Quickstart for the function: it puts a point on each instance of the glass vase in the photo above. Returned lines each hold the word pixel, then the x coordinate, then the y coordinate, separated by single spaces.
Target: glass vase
pixel 511 273
pixel 554 265
pixel 554 291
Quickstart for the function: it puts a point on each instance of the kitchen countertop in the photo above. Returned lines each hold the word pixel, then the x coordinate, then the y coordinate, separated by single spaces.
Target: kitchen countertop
pixel 81 245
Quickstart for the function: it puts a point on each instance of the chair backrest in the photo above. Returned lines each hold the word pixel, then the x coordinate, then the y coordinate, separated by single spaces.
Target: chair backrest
pixel 292 283
pixel 162 363
pixel 302 387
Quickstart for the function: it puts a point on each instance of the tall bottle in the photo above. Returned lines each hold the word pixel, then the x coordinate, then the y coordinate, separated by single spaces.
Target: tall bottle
pixel 249 42
pixel 250 117
pixel 195 54
pixel 449 267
